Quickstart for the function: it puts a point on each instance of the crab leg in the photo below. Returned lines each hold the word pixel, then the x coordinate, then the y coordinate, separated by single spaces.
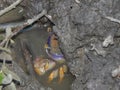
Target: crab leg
pixel 62 71
pixel 52 75
pixel 61 74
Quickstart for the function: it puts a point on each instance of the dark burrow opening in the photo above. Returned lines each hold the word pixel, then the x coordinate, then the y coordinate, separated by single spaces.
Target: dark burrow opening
pixel 29 46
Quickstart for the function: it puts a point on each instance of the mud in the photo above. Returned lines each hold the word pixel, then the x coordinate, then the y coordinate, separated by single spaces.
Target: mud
pixel 80 25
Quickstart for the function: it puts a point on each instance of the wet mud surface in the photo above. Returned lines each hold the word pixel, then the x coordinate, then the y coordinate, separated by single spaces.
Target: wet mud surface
pixel 82 29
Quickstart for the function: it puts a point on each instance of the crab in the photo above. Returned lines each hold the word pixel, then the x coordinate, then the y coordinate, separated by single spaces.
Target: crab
pixel 42 65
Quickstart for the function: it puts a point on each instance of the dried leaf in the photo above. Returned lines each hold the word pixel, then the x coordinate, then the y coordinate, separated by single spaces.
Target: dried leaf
pixel 7 79
pixel 7 71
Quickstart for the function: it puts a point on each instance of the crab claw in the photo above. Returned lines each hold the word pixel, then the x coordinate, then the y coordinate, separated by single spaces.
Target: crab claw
pixel 43 65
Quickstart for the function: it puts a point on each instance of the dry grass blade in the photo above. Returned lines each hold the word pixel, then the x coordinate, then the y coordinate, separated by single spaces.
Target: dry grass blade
pixel 12 6
pixel 113 19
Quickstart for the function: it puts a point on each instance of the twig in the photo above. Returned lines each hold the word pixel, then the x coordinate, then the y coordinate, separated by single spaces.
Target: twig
pixel 35 18
pixel 113 19
pixel 11 25
pixel 8 32
pixel 29 22
pixel 12 6
pixel 5 49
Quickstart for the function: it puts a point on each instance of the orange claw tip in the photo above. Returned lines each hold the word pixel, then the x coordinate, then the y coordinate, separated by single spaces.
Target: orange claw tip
pixel 61 74
pixel 50 78
pixel 53 75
